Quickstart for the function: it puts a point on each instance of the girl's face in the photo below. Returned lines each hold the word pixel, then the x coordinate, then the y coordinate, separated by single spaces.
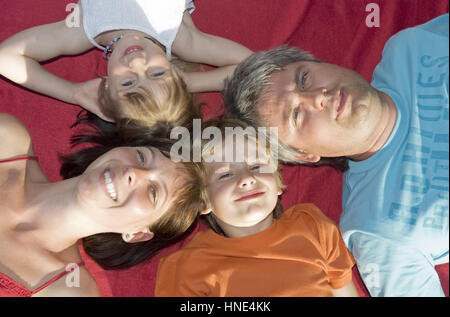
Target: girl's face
pixel 241 195
pixel 136 62
pixel 129 188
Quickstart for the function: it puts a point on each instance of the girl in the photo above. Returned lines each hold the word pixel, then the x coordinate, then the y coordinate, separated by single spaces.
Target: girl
pixel 128 203
pixel 255 249
pixel 138 38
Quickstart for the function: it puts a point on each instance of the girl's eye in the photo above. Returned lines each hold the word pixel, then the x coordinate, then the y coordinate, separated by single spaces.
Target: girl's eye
pixel 127 83
pixel 158 74
pixel 295 115
pixel 141 156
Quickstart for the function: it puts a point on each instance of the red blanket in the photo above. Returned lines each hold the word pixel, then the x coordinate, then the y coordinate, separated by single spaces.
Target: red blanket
pixel 335 31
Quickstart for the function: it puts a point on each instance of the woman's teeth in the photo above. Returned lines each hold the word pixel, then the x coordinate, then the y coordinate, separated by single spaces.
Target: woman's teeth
pixel 110 186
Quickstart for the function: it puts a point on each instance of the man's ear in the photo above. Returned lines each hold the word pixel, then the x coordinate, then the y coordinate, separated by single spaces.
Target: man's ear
pixel 311 158
pixel 140 236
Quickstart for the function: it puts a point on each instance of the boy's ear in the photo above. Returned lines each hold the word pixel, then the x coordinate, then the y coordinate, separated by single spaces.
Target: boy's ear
pixel 140 236
pixel 206 211
pixel 311 158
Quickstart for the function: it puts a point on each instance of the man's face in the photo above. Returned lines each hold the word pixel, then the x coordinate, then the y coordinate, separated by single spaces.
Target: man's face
pixel 321 109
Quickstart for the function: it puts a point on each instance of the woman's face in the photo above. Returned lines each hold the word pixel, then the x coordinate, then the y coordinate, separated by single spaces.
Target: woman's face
pixel 129 188
pixel 137 62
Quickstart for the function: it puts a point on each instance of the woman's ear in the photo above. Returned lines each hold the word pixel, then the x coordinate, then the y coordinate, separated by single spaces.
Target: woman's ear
pixel 311 158
pixel 140 236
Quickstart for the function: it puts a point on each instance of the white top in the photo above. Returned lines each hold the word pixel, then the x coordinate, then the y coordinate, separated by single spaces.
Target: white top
pixel 160 19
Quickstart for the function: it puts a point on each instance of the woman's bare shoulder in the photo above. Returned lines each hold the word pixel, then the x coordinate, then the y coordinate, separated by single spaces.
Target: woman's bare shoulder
pixel 14 137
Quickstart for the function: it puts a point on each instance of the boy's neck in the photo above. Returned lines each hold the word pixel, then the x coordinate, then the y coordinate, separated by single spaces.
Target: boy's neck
pixel 239 232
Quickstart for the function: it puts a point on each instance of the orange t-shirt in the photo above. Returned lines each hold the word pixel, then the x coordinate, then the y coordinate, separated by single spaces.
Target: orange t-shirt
pixel 300 254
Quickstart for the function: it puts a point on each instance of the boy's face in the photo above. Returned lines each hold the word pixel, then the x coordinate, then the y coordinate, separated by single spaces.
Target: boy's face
pixel 240 194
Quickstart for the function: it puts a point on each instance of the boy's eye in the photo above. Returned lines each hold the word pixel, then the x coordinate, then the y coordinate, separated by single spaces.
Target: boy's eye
pixel 224 176
pixel 255 168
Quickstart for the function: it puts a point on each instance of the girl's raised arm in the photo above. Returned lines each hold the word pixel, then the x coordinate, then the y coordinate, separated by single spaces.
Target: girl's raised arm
pixel 21 54
pixel 192 45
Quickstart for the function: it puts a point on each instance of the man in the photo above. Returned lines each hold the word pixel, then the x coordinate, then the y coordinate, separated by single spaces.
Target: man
pixel 393 134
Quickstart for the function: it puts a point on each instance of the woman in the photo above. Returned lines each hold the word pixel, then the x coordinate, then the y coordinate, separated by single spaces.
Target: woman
pixel 129 201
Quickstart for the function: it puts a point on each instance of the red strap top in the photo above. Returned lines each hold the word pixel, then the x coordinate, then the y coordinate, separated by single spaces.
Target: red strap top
pixel 19 158
pixel 8 286
pixel 11 288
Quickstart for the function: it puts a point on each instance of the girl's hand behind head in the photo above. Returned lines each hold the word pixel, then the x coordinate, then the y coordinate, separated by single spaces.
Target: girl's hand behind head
pixel 86 96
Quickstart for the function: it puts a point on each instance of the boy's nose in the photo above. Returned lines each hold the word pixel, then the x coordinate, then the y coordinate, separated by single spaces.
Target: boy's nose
pixel 246 180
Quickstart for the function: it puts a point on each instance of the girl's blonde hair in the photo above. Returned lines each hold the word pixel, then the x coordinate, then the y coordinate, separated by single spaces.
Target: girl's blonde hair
pixel 145 109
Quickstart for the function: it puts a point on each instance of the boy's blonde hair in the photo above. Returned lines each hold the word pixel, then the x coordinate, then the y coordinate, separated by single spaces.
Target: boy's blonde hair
pixel 221 124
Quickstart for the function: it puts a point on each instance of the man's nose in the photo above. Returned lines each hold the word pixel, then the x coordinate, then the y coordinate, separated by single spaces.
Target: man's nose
pixel 316 100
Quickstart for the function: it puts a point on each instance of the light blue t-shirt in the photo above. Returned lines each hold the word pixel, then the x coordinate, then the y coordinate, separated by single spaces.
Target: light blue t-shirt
pixel 395 216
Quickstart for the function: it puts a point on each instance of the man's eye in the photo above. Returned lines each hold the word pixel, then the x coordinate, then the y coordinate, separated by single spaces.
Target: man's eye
pixel 304 79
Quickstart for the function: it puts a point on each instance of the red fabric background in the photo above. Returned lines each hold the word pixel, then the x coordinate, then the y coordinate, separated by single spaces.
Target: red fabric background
pixel 335 31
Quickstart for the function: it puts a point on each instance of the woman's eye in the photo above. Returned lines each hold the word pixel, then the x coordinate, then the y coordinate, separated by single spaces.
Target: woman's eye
pixel 152 192
pixel 295 115
pixel 141 156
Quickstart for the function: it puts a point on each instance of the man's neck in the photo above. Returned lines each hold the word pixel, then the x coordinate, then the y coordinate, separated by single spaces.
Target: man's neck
pixel 384 129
